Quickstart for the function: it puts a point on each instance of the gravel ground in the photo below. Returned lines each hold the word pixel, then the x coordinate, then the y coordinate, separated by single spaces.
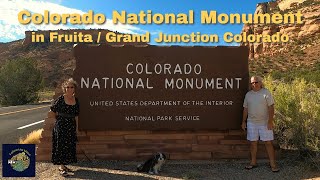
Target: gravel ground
pixel 199 170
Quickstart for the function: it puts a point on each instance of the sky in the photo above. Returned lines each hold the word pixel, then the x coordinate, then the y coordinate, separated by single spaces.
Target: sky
pixel 11 29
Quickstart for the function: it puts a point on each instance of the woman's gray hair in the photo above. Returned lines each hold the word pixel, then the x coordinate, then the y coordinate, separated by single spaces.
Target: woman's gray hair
pixel 259 78
pixel 68 81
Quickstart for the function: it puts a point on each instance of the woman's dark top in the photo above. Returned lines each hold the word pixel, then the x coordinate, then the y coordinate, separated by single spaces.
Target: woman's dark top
pixel 64 134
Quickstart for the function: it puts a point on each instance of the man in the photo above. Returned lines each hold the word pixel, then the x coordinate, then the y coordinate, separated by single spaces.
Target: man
pixel 259 112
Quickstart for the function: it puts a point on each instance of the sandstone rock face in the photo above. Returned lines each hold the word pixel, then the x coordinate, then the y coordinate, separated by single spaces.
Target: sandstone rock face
pixel 266 7
pixel 287 4
pixel 262 8
pixel 310 10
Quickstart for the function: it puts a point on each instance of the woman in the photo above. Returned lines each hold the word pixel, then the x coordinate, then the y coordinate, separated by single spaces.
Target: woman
pixel 64 134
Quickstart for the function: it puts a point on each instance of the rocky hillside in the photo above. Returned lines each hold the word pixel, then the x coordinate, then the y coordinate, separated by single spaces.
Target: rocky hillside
pixel 55 60
pixel 303 49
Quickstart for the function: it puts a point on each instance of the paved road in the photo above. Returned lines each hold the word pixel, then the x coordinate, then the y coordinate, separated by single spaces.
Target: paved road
pixel 14 117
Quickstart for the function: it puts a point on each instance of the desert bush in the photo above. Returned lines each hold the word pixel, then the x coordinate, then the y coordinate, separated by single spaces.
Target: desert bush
pixel 20 82
pixel 32 138
pixel 311 75
pixel 297 117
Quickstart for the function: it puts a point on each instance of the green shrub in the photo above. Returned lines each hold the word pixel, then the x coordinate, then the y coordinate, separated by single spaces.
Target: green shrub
pixel 297 118
pixel 20 82
pixel 298 109
pixel 311 75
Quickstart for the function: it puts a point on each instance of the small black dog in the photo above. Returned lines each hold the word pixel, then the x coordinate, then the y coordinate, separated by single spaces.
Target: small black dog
pixel 153 164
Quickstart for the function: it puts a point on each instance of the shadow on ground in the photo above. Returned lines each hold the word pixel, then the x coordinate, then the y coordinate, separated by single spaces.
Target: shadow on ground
pixel 91 174
pixel 207 170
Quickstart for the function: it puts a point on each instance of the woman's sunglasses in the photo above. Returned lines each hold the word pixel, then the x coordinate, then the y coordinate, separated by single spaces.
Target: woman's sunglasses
pixel 254 82
pixel 71 87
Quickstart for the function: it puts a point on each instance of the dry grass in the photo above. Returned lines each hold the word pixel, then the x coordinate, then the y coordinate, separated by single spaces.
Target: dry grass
pixel 32 138
pixel 46 95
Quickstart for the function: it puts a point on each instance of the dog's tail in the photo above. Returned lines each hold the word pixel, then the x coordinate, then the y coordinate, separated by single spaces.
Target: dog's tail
pixel 140 167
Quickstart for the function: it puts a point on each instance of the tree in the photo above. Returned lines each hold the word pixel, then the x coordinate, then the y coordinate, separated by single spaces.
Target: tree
pixel 20 82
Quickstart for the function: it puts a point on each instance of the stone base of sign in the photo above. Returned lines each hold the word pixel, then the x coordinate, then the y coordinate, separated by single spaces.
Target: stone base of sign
pixel 139 145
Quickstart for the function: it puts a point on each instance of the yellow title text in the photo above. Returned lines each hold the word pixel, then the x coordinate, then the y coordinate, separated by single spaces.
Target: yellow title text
pixel 148 17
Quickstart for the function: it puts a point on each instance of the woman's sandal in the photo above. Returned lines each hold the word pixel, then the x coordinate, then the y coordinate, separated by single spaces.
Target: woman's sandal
pixel 274 169
pixel 249 167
